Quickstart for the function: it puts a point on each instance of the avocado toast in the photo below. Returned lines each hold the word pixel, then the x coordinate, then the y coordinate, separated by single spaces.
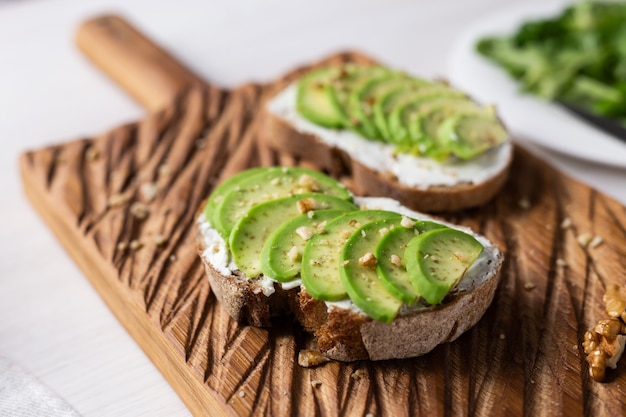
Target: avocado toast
pixel 368 277
pixel 421 142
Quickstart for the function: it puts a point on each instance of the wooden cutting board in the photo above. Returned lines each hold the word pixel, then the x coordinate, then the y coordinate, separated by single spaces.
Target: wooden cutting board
pixel 124 205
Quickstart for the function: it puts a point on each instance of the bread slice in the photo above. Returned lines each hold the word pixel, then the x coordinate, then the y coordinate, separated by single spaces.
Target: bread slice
pixel 418 182
pixel 341 330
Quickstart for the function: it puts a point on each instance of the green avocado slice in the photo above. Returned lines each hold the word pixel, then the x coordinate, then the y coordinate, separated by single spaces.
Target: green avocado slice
pixel 250 233
pixel 438 259
pixel 391 266
pixel 320 258
pixel 281 257
pixel 217 195
pixel 359 275
pixel 275 182
pixel 467 136
pixel 363 99
pixel 313 99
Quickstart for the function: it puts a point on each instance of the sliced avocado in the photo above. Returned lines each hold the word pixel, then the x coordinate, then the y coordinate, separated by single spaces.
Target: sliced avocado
pixel 438 259
pixel 467 136
pixel 358 274
pixel 281 257
pixel 425 127
pixel 274 183
pixel 363 99
pixel 391 266
pixel 252 230
pixel 320 258
pixel 217 195
pixel 340 90
pixel 313 97
pixel 409 107
pixel 392 98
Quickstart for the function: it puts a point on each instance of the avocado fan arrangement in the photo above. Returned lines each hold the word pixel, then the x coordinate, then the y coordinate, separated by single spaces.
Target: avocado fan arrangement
pixel 420 117
pixel 294 223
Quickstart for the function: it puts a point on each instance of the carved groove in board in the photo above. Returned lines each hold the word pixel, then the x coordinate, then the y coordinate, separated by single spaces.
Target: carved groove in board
pixel 185 150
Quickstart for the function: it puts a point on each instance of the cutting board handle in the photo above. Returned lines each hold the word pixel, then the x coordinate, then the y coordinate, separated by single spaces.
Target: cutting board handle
pixel 145 70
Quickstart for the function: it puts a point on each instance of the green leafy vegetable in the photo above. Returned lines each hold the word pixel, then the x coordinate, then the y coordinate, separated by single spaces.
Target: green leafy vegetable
pixel 578 57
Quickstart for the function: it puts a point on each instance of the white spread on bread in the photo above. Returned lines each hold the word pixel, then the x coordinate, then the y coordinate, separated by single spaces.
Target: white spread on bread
pixel 217 253
pixel 410 170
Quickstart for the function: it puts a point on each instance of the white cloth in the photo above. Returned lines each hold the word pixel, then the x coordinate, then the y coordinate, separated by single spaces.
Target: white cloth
pixel 21 395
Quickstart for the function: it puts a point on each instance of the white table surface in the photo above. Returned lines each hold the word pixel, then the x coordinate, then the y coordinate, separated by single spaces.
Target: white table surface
pixel 52 322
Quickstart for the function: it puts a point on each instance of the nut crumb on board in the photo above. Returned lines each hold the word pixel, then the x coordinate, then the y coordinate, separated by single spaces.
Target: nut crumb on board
pixel 584 239
pixel 135 244
pixel 316 383
pixel 310 358
pixel 529 286
pixel 139 210
pixel 148 191
pixel 566 223
pixel 118 200
pixel 358 374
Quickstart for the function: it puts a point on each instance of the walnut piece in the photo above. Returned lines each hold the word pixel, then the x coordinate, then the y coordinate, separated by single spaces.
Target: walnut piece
pixel 368 260
pixel 307 204
pixel 615 301
pixel 305 232
pixel 308 183
pixel 309 358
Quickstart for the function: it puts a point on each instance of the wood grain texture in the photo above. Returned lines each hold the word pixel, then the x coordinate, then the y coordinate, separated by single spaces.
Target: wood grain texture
pixel 524 357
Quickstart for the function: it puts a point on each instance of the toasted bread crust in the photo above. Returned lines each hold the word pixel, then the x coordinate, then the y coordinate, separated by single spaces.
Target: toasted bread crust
pixel 278 134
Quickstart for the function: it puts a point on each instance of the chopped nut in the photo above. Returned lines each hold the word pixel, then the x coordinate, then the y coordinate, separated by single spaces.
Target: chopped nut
pixel 346 262
pixel 135 244
pixel 92 153
pixel 315 383
pixel 309 358
pixel 368 260
pixel 321 227
pixel 370 415
pixel 615 301
pixel 524 203
pixel 354 223
pixel 163 170
pixel 139 210
pixel 307 204
pixel 584 239
pixel 148 191
pixel 242 394
pixel 117 200
pixel 122 246
pixel 561 262
pixel 293 254
pixel 172 258
pixel 566 223
pixel 363 234
pixel 309 183
pixel 305 232
pixel 595 242
pixel 383 231
pixel 345 234
pixel 406 222
pixel 395 260
pixel 159 240
pixel 529 286
pixel 310 214
pixel 358 374
pixel 275 181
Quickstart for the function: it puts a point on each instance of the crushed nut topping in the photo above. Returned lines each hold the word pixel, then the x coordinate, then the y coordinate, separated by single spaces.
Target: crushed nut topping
pixel 159 240
pixel 595 242
pixel 363 234
pixel 164 170
pixel 529 286
pixel 117 200
pixel 307 204
pixel 395 260
pixel 566 223
pixel 122 246
pixel 321 227
pixel 368 260
pixel 172 258
pixel 406 222
pixel 139 210
pixel 148 191
pixel 242 394
pixel 310 358
pixel 584 239
pixel 346 262
pixel 604 344
pixel 305 232
pixel 135 244
pixel 293 254
pixel 354 224
pixel 308 182
pixel 561 262
pixel 316 383
pixel 358 374
pixel 345 234
pixel 383 231
pixel 275 181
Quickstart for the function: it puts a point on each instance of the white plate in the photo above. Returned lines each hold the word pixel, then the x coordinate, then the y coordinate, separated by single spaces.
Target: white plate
pixel 527 117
